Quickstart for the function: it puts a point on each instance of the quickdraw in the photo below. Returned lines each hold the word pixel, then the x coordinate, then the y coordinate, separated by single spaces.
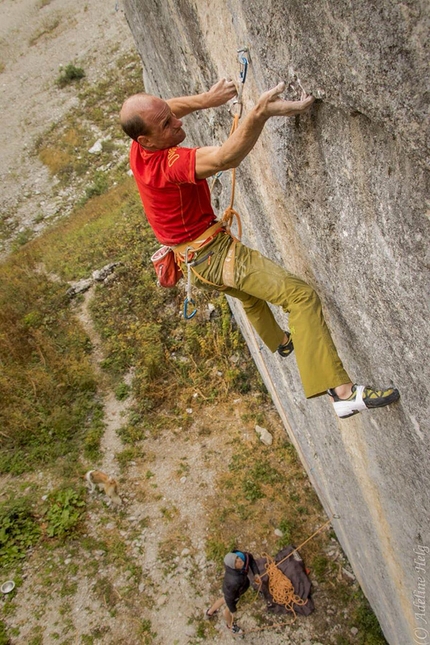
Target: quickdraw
pixel 243 57
pixel 188 297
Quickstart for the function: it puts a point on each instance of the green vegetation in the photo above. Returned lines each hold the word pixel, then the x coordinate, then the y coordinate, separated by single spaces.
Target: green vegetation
pixel 47 385
pixel 145 632
pixel 369 631
pixel 4 639
pixel 66 509
pixel 70 74
pixel 19 530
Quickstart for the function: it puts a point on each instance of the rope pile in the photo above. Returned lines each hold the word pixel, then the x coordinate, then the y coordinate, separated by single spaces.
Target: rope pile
pixel 280 587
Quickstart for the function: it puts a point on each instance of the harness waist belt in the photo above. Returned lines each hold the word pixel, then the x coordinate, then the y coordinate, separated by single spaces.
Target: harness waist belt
pixel 195 245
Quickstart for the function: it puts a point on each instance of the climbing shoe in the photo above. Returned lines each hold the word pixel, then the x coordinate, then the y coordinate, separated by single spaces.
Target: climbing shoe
pixel 287 348
pixel 362 398
pixel 235 629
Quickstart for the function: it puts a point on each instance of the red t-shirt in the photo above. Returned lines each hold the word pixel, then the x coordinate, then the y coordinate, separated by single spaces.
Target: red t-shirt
pixel 177 205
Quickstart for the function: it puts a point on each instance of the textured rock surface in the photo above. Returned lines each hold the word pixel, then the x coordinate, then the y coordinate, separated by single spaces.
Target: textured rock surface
pixel 339 197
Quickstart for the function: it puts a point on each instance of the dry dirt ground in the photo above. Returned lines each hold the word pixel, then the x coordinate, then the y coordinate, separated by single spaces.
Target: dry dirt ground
pixel 80 594
pixel 37 39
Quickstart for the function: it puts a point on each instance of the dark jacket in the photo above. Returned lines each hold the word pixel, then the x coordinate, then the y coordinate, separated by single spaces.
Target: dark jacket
pixel 236 581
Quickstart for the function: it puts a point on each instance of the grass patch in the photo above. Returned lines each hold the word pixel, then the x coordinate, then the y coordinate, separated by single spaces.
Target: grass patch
pixel 47 385
pixel 369 631
pixel 19 530
pixel 65 513
pixel 4 639
pixel 46 30
pixel 22 238
pixel 106 228
pixel 128 454
pixel 70 74
pixel 145 632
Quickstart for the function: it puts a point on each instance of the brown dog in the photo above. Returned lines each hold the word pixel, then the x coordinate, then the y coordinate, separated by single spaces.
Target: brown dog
pixel 107 484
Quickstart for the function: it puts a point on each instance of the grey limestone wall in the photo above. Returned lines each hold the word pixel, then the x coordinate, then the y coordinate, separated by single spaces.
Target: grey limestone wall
pixel 338 196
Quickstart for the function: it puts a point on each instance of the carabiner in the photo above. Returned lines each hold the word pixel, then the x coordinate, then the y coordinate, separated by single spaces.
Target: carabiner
pixel 243 60
pixel 237 102
pixel 189 301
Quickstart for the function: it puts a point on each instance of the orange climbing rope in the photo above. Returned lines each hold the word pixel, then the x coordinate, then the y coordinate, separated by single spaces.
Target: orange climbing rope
pixel 230 213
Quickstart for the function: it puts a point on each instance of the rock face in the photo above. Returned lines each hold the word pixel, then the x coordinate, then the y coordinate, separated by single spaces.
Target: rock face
pixel 338 197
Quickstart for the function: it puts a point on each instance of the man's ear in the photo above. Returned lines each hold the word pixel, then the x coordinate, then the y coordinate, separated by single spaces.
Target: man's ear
pixel 144 140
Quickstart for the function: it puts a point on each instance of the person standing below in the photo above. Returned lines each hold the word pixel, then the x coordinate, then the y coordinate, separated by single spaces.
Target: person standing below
pixel 172 183
pixel 236 581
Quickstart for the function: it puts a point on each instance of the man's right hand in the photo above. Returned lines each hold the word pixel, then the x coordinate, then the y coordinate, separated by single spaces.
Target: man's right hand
pixel 271 104
pixel 221 92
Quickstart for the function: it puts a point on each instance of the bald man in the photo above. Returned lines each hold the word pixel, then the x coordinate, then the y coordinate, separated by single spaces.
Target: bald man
pixel 172 183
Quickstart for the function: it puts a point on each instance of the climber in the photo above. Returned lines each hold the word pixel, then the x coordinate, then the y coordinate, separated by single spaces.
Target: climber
pixel 236 582
pixel 172 183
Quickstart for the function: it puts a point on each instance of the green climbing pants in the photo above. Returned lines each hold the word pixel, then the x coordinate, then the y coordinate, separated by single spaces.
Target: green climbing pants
pixel 255 281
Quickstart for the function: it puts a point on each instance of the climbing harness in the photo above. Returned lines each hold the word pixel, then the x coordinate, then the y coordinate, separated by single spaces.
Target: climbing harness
pixel 280 587
pixel 230 213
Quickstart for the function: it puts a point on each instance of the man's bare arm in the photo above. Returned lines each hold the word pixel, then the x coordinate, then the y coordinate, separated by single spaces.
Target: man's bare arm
pixel 213 159
pixel 217 95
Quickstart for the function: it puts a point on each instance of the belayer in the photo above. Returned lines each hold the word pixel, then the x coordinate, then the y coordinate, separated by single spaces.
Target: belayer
pixel 172 183
pixel 238 566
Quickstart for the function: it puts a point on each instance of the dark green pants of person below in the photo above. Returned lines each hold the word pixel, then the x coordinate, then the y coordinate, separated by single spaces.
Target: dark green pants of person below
pixel 255 280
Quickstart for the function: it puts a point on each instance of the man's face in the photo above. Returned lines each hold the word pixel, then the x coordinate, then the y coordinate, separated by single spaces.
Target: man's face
pixel 239 563
pixel 165 129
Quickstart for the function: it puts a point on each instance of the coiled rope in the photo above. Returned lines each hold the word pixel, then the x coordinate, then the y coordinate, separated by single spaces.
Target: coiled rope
pixel 280 587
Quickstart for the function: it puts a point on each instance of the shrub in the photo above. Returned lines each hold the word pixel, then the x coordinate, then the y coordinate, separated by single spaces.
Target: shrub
pixel 4 640
pixel 70 74
pixel 64 513
pixel 19 530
